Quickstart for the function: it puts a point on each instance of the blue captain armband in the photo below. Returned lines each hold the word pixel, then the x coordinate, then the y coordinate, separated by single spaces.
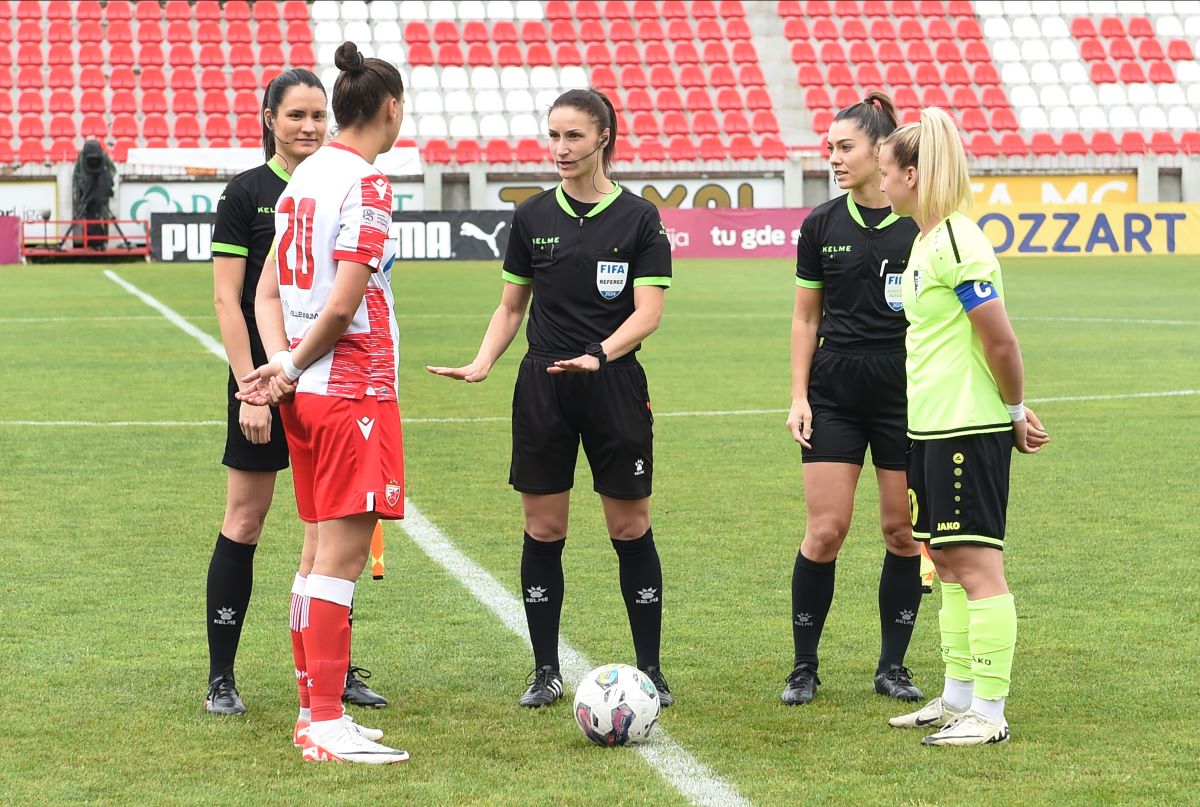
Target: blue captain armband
pixel 975 293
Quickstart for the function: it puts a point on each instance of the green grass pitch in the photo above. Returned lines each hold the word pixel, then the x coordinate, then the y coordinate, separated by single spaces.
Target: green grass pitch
pixel 107 532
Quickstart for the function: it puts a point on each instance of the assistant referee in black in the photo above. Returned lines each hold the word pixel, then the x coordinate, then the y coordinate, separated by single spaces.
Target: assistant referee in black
pixel 848 393
pixel 595 260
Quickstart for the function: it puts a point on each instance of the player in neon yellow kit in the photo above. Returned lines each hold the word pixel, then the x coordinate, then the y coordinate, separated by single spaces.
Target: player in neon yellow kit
pixel 966 413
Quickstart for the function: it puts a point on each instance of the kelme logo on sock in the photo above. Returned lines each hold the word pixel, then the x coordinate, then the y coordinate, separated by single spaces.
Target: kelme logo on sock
pixel 536 594
pixel 225 617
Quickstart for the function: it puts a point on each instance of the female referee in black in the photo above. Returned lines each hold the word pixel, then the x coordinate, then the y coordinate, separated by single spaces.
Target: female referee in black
pixel 294 121
pixel 848 392
pixel 596 262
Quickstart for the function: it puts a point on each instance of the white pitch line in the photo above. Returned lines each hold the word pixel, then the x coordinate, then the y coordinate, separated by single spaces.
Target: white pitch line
pixel 1111 320
pixel 212 345
pixel 22 320
pixel 679 768
pixel 711 413
pixel 698 783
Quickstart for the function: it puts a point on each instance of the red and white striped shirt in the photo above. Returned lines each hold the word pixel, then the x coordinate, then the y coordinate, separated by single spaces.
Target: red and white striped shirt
pixel 338 207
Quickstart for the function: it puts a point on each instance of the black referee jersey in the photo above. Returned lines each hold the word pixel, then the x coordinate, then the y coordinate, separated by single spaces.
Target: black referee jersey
pixel 856 257
pixel 245 227
pixel 584 262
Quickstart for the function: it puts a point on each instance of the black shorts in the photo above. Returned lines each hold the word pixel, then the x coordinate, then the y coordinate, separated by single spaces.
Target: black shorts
pixel 857 400
pixel 958 489
pixel 240 453
pixel 608 411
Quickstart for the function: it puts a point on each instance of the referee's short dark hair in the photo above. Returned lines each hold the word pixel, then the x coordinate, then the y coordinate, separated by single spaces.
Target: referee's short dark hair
pixel 875 115
pixel 600 109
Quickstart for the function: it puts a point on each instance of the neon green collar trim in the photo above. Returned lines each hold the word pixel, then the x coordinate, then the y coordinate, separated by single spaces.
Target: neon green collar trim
pixel 561 195
pixel 891 219
pixel 279 171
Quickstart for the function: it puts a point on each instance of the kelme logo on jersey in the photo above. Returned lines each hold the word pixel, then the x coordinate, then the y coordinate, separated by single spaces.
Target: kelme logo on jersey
pixel 610 278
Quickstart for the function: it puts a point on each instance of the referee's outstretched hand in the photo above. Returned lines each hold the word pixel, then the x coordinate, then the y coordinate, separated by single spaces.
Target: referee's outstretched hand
pixel 1029 435
pixel 473 373
pixel 799 423
pixel 579 364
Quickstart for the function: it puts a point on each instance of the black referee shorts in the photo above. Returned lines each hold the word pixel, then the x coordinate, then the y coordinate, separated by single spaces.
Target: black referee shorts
pixel 609 412
pixel 858 400
pixel 240 453
pixel 958 489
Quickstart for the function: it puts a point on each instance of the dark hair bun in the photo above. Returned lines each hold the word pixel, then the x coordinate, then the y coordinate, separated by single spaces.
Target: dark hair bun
pixel 348 58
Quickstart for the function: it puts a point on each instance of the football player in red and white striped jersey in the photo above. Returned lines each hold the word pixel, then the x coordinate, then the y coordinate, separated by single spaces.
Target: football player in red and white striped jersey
pixel 326 320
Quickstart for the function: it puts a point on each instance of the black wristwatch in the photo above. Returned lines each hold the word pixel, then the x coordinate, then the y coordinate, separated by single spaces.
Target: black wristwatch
pixel 597 350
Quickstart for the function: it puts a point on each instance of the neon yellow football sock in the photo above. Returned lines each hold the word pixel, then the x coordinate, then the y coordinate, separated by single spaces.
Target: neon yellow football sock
pixel 993 634
pixel 954 620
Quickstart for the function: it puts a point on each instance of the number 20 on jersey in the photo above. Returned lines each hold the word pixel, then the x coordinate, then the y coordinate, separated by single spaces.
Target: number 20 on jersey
pixel 299 231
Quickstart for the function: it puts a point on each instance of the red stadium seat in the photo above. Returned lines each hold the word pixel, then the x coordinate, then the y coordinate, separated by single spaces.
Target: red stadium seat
pixel 187 127
pixel 60 101
pixel 1012 144
pixel 445 31
pixel 757 98
pixel 621 31
pixel 656 54
pixel 210 10
pixel 839 75
pixel 1132 73
pixel 94 126
pixel 939 30
pixel 674 8
pixel 905 98
pixel 705 123
pixel 853 29
pixel 644 124
pixel 603 78
pixel 692 76
pixel 825 30
pixel 1189 142
pixel 845 96
pixel 212 56
pixel 248 130
pixel 832 53
pixel 118 11
pixel 668 100
pixel 639 100
pixel 183 80
pixel 450 55
pixel 1102 73
pixel 567 55
pixel 1133 142
pixel 817 98
pixel 1073 144
pixel 263 12
pixel 585 10
pixel 1043 144
pixel 1121 49
pixel 268 33
pixel 795 30
pixel 217 127
pixel 1003 120
pixel 530 151
pixel 467 151
pixel 125 126
pixel 298 33
pixel 420 55
pixel 1149 50
pixel 1111 27
pixel 184 102
pixel 117 55
pixel 246 103
pixel 32 126
pixel 475 32
pixel 149 33
pixel 803 53
pixel 93 102
pixel 31 151
pixel 123 102
pixel 1163 143
pixel 63 78
pixel 154 101
pixel 977 53
pixel 772 148
pixel 295 11
pixel 180 33
pixel 480 55
pixel 416 32
pixel 627 53
pixel 722 76
pixel 973 120
pixel 713 148
pixel 821 121
pixel 731 10
pixel 598 53
pixel 216 102
pixel 87 10
pixel 809 75
pixel 238 33
pixel 765 122
pixel 589 31
pixel 499 151
pixel 1179 50
pixel 650 150
pixel 949 55
pixel 734 122
pixel 29 10
pixel 982 145
pixel 681 148
pixel 1092 50
pixel 1083 28
pixel 30 78
pixel 240 57
pixel 558 10
pixel 741 147
pixel 698 100
pixel 928 75
pixel 243 78
pixel 703 9
pixel 62 126
pixel 1161 73
pixel 890 53
pixel 505 33
pixel 685 54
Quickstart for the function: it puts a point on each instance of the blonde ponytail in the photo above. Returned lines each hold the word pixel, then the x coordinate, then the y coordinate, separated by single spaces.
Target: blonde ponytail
pixel 934 147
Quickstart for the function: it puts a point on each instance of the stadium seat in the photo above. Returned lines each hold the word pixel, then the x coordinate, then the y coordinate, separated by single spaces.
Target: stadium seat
pixel 741 147
pixel 1042 144
pixel 712 148
pixel 1190 142
pixel 154 101
pixel 982 145
pixel 530 151
pixel 499 151
pixel 248 130
pixel 765 122
pixel 121 11
pixel 125 127
pixel 651 150
pixel 467 151
pixel 217 130
pixel 436 150
pixel 31 151
pixel 772 148
pixel 681 148
pixel 1133 142
pixel 1012 144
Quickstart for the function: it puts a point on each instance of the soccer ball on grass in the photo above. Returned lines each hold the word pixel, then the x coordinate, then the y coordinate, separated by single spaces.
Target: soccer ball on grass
pixel 616 705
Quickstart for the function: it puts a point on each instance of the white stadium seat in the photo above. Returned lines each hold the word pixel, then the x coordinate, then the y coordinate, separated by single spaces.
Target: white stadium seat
pixel 544 99
pixel 1017 8
pixel 1043 73
pixel 1073 72
pixel 1191 25
pixel 1181 117
pixel 1005 50
pixel 408 126
pixel 1022 95
pixel 1063 117
pixel 454 78
pixel 328 31
pixel 1193 95
pixel 392 52
pixel 1099 7
pixel 413 10
pixel 543 78
pixel 1170 95
pixel 1034 50
pixel 1158 7
pixel 1168 27
pixel 1033 117
pixel 996 28
pixel 1187 72
pixel 1152 118
pixel 428 102
pixel 530 10
pixel 484 78
pixel 471 10
pixel 328 76
pixel 518 101
pixel 464 126
pixel 524 126
pixel 358 31
pixel 1131 7
pixel 459 102
pixel 431 126
pixel 1063 50
pixel 386 31
pixel 1075 8
pixel 1141 95
pixel 325 52
pixel 424 78
pixel 1014 73
pixel 489 101
pixel 1055 28
pixel 1112 95
pixel 1122 117
pixel 493 126
pixel 500 10
pixel 1025 28
pixel 384 12
pixel 354 10
pixel 1092 117
pixel 1053 95
pixel 989 8
pixel 324 10
pixel 1046 8
pixel 514 78
pixel 1082 95
pixel 442 10
pixel 572 77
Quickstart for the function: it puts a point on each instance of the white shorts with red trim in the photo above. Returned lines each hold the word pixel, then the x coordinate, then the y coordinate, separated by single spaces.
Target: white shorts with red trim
pixel 347 456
